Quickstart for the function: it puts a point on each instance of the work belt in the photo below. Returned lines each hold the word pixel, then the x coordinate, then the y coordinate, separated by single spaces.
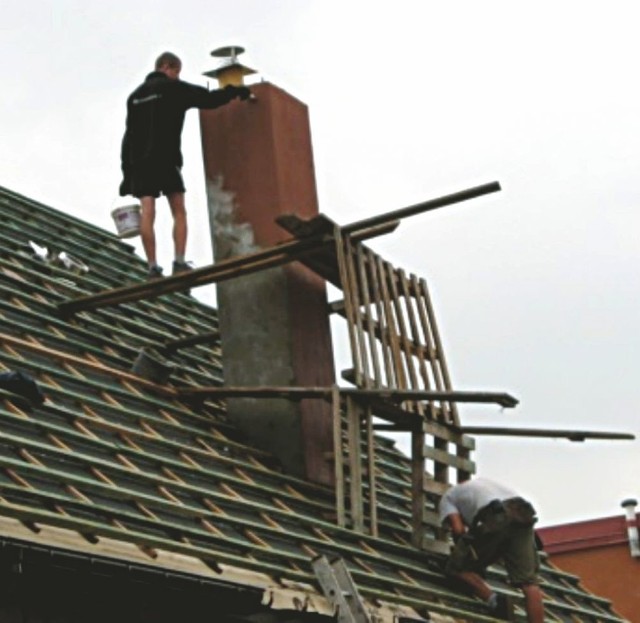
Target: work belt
pixel 501 513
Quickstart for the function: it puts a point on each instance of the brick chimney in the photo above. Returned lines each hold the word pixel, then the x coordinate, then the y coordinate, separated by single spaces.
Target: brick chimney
pixel 274 324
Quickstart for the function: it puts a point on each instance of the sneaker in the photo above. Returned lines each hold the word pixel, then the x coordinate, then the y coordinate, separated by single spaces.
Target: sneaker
pixel 504 608
pixel 181 267
pixel 155 272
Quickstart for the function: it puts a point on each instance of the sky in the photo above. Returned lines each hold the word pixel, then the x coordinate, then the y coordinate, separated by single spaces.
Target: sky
pixel 536 287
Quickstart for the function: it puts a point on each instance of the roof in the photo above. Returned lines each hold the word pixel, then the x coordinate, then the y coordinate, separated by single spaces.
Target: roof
pixel 116 466
pixel 583 535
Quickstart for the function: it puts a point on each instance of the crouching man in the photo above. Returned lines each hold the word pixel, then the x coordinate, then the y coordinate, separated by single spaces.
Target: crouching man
pixel 490 522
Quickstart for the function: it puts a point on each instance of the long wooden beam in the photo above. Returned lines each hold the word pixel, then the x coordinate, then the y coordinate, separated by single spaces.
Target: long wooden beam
pixel 571 435
pixel 365 395
pixel 192 340
pixel 283 253
pixel 425 206
pixel 227 269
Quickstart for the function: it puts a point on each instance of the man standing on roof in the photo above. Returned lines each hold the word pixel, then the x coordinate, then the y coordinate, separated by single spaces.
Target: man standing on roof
pixel 490 522
pixel 151 156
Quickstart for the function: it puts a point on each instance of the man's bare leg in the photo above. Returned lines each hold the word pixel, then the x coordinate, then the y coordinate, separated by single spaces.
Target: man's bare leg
pixel 179 213
pixel 479 587
pixel 533 603
pixel 147 221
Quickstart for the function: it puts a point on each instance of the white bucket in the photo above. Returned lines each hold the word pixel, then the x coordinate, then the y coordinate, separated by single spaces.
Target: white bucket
pixel 127 220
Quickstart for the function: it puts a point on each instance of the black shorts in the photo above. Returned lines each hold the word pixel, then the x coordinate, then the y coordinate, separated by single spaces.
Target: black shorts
pixel 152 181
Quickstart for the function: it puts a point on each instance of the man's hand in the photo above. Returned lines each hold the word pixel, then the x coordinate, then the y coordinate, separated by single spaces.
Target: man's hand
pixel 242 93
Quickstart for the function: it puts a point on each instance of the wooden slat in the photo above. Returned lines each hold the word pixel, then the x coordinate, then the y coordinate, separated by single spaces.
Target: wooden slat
pixel 430 517
pixel 413 324
pixel 404 339
pixel 427 317
pixel 338 456
pixel 434 487
pixel 571 435
pixel 191 340
pixel 438 344
pixel 355 464
pixel 447 459
pixel 382 333
pixel 399 379
pixel 348 304
pixel 417 486
pixel 232 268
pixel 425 206
pixel 457 437
pixel 364 287
pixel 363 395
pixel 371 472
pixel 354 291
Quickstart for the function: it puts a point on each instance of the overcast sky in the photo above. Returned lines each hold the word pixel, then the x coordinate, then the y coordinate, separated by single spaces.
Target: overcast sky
pixel 537 287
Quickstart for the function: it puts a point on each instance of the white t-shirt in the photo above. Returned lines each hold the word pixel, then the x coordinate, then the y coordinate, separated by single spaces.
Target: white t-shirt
pixel 469 497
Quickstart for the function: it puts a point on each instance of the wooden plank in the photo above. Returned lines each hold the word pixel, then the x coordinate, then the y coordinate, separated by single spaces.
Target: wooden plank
pixel 402 329
pixel 449 433
pixel 363 395
pixel 341 255
pixel 447 459
pixel 368 324
pixel 441 375
pixel 431 518
pixel 232 268
pixel 353 289
pixel 399 379
pixel 429 379
pixel 191 340
pixel 438 344
pixel 382 334
pixel 425 206
pixel 291 393
pixel 413 324
pixel 371 472
pixel 115 373
pixel 434 487
pixel 418 500
pixel 571 435
pixel 338 456
pixel 355 464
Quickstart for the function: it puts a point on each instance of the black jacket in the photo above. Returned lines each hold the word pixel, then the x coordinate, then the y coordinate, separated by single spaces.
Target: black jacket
pixel 155 116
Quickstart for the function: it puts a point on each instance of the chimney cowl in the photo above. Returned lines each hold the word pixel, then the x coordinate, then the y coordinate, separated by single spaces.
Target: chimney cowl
pixel 632 526
pixel 230 71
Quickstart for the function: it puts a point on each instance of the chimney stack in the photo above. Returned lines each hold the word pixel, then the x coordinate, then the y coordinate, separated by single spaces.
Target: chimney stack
pixel 274 324
pixel 632 526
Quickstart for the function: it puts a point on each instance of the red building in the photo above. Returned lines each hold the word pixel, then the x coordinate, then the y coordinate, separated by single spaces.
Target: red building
pixel 605 553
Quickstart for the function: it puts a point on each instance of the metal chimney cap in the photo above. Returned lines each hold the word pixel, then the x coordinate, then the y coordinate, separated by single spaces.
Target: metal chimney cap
pixel 228 50
pixel 629 502
pixel 230 70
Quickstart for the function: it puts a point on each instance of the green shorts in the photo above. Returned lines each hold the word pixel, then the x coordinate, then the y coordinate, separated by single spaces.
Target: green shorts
pixel 515 545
